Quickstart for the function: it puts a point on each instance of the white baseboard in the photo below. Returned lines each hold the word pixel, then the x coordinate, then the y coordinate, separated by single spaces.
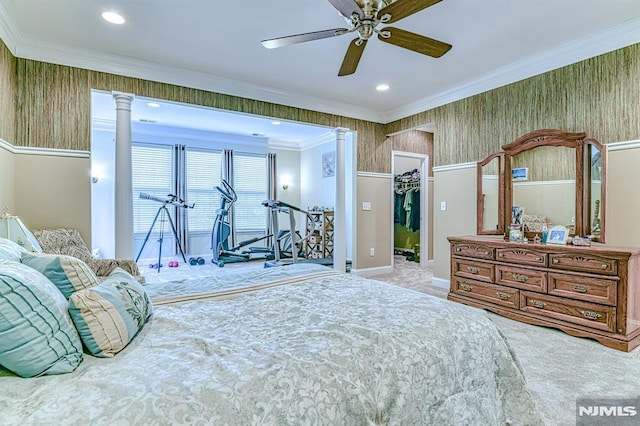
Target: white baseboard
pixel 370 272
pixel 441 282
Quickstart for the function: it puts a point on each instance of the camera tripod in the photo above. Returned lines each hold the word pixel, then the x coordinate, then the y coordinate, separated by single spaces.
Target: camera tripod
pixel 163 213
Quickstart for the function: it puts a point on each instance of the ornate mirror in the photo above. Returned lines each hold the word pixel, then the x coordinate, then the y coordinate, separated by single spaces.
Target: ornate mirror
pixel 563 184
pixel 490 220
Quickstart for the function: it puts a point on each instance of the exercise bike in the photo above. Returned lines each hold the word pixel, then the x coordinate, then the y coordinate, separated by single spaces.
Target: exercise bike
pixel 221 232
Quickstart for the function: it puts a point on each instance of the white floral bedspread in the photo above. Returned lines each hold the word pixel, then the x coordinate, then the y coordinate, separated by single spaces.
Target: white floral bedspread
pixel 335 350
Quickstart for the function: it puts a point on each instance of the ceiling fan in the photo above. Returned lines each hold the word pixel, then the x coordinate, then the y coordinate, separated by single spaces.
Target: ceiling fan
pixel 364 16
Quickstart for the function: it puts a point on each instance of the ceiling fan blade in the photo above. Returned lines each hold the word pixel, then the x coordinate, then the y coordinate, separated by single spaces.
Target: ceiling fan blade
pixel 402 8
pixel 301 38
pixel 347 8
pixel 352 57
pixel 416 42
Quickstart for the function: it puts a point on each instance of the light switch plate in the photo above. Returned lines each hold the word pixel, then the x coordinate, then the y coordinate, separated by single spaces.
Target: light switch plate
pixel 443 205
pixel 366 206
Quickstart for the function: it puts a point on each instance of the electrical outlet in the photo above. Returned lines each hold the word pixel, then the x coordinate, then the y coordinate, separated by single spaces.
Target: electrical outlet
pixel 366 206
pixel 372 252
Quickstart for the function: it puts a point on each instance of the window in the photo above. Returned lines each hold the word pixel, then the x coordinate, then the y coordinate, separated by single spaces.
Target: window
pixel 250 183
pixel 203 175
pixel 151 174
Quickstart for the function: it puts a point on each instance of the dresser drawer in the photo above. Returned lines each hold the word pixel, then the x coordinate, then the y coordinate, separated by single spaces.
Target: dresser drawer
pixel 584 263
pixel 589 289
pixel 591 315
pixel 474 270
pixel 525 279
pixel 491 293
pixel 522 256
pixel 472 250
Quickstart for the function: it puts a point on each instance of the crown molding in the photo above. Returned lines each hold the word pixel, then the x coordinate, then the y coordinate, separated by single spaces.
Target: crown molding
pixel 328 137
pixel 617 37
pixel 614 38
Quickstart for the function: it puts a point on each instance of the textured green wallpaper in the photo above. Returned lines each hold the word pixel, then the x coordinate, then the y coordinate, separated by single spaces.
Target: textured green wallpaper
pixel 599 96
pixel 7 95
pixel 54 105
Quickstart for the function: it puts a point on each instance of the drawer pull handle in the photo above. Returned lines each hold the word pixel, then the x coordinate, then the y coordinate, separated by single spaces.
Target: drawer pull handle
pixel 605 266
pixel 500 255
pixel 473 269
pixel 581 288
pixel 503 296
pixel 538 304
pixel 466 287
pixel 556 261
pixel 458 249
pixel 591 315
pixel 520 278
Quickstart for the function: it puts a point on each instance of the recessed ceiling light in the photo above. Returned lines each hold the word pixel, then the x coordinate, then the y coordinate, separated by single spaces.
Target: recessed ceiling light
pixel 113 17
pixel 382 87
pixel 275 123
pixel 153 105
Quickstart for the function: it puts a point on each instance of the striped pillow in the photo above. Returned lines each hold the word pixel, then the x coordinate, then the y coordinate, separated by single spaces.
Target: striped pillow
pixel 68 273
pixel 109 315
pixel 36 333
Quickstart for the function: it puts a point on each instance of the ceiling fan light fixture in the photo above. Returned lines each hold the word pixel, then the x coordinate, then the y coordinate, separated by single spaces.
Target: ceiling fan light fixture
pixel 113 17
pixel 382 87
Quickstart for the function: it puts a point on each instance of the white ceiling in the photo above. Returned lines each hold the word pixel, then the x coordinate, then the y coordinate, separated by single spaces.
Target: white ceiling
pixel 215 45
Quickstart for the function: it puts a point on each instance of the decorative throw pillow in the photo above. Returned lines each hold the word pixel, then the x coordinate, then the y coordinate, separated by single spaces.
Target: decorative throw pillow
pixel 109 315
pixel 10 250
pixel 68 273
pixel 36 333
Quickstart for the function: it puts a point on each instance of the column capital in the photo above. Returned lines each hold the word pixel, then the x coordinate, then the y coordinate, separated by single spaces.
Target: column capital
pixel 123 100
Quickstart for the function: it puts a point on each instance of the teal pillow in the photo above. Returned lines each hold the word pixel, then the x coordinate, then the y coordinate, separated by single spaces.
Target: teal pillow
pixel 68 273
pixel 10 250
pixel 109 315
pixel 36 333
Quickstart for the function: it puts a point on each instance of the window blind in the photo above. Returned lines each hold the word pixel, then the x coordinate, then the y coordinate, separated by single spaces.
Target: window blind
pixel 251 184
pixel 151 174
pixel 203 175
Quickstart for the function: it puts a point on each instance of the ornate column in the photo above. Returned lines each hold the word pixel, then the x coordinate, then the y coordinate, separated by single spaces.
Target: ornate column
pixel 124 246
pixel 340 214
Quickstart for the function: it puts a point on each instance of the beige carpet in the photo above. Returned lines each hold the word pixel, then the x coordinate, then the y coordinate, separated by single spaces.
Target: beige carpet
pixel 558 368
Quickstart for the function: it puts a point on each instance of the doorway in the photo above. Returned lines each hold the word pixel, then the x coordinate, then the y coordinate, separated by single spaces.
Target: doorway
pixel 410 197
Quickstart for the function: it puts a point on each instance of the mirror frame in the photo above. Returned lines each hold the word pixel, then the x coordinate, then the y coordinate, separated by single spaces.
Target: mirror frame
pixel 480 196
pixel 583 196
pixel 577 141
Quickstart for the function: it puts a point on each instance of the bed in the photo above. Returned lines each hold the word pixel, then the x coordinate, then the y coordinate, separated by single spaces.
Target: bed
pixel 300 344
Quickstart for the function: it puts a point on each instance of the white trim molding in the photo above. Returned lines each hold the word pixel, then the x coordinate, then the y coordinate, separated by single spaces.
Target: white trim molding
pixel 441 283
pixel 27 150
pixel 375 175
pixel 370 272
pixel 451 167
pixel 619 146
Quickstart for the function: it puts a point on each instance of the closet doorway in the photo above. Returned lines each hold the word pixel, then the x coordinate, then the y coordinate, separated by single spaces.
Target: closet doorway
pixel 411 206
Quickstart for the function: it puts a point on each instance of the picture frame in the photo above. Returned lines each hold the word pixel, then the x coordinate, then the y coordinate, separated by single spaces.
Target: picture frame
pixel 516 215
pixel 558 235
pixel 329 164
pixel 520 173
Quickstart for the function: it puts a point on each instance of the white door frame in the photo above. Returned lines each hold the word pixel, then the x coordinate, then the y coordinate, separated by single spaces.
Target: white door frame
pixel 424 203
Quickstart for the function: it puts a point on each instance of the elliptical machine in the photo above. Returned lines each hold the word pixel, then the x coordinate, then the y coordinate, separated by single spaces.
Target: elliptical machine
pixel 221 232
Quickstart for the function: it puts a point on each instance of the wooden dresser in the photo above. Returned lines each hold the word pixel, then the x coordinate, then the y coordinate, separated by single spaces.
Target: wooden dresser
pixel 583 291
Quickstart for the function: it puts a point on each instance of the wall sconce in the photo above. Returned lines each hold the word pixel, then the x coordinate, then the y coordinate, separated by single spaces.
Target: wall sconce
pixel 285 181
